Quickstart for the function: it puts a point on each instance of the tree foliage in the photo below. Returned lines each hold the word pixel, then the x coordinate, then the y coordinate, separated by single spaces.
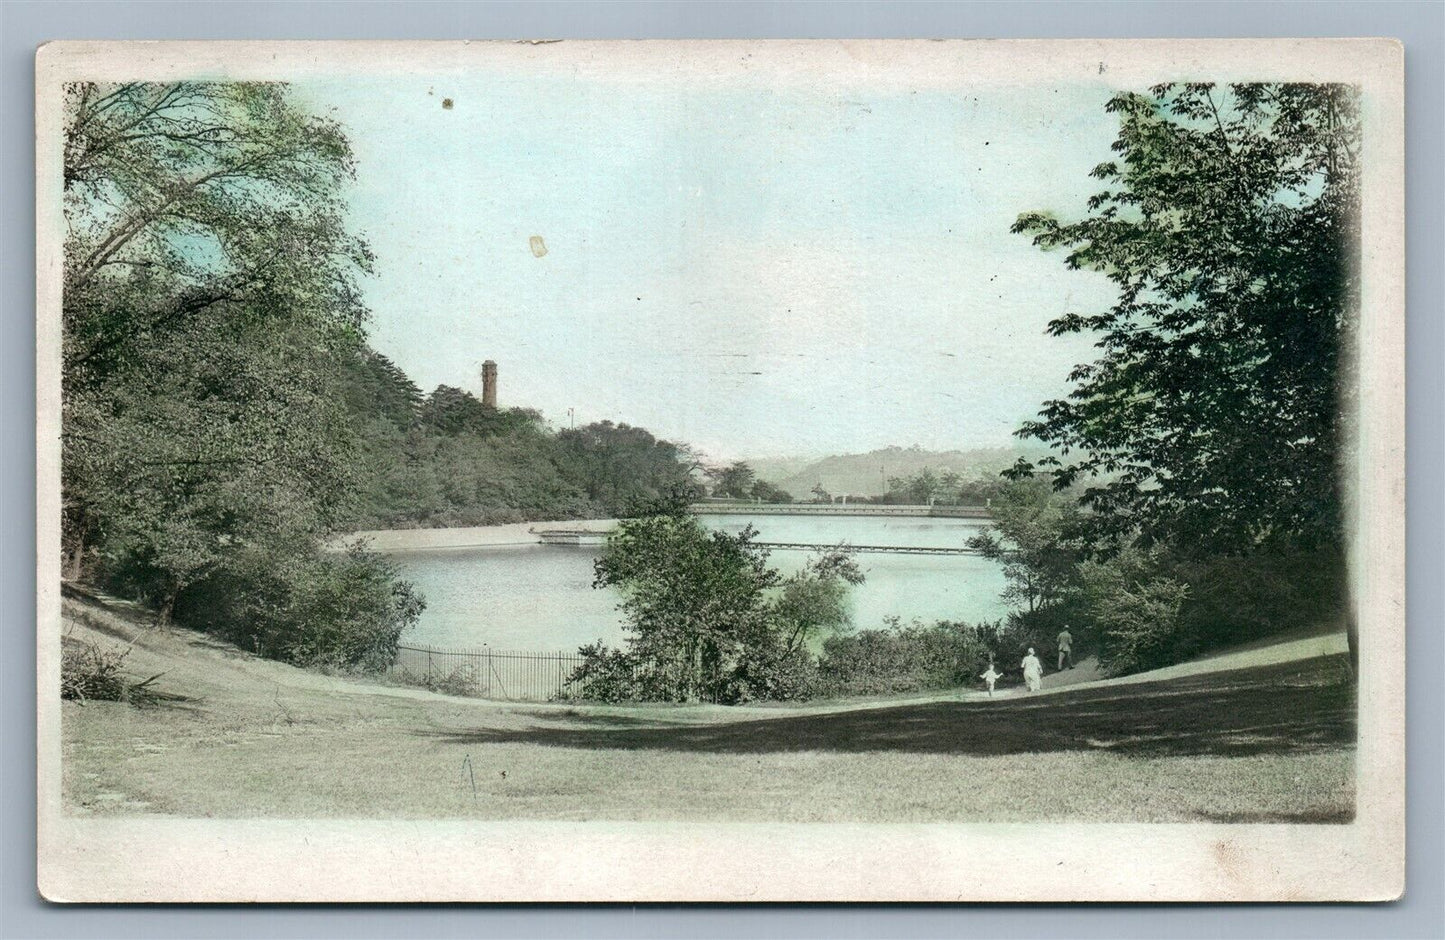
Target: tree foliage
pixel 1212 417
pixel 1129 607
pixel 623 468
pixel 946 488
pixel 708 618
pixel 770 493
pixel 815 600
pixel 446 459
pixel 695 602
pixel 1036 537
pixel 734 481
pixel 210 306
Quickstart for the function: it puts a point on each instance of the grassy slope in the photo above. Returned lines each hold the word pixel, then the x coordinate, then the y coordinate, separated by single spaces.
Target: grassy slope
pixel 1272 741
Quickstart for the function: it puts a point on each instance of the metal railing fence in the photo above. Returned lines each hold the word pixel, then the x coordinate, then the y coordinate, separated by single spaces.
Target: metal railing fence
pixel 486 673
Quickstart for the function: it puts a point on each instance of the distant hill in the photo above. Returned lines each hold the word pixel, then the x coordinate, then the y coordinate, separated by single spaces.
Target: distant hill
pixel 866 474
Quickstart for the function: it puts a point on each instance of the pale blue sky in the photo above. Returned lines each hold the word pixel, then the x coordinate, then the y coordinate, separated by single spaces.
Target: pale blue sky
pixel 756 270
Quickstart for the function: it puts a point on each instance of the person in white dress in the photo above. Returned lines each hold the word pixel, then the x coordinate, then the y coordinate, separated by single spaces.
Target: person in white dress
pixel 1033 671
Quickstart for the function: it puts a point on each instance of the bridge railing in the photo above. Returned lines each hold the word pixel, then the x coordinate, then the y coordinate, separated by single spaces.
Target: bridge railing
pixel 841 509
pixel 872 549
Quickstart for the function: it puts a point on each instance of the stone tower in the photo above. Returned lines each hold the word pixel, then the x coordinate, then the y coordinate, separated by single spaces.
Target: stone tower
pixel 489 384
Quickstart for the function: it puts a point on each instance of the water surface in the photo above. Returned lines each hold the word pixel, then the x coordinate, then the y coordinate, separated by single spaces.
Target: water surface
pixel 540 597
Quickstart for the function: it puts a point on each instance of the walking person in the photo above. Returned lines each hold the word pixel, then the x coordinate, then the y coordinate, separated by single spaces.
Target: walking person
pixel 1033 671
pixel 990 677
pixel 1066 648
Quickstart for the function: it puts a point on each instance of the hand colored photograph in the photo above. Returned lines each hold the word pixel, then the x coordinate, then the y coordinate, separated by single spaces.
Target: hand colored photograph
pixel 712 433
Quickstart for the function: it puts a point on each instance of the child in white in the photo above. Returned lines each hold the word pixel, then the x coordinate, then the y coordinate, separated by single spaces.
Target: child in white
pixel 991 677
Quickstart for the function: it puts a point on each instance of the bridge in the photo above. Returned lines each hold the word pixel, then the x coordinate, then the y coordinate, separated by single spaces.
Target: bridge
pixel 595 537
pixel 877 549
pixel 743 507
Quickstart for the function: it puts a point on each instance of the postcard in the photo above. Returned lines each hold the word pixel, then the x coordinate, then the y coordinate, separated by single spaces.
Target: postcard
pixel 721 471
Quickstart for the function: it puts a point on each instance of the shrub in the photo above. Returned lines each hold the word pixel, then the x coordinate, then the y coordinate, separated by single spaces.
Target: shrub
pixel 344 610
pixel 92 672
pixel 776 675
pixel 1139 626
pixel 462 680
pixel 902 658
pixel 606 675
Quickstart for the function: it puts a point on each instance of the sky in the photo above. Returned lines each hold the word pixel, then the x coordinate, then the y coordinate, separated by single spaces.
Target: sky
pixel 756 268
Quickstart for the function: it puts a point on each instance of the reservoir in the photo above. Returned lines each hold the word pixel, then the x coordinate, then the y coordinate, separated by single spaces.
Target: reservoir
pixel 540 597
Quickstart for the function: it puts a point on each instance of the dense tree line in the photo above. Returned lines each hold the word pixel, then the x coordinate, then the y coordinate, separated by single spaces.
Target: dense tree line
pixel 945 488
pixel 446 459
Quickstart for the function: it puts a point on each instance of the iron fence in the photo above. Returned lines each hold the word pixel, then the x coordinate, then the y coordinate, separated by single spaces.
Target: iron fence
pixel 486 673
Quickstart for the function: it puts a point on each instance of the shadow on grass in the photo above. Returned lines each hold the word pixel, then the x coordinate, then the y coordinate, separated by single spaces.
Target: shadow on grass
pixel 1294 707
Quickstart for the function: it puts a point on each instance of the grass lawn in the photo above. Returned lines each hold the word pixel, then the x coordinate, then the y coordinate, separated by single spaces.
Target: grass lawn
pixel 245 737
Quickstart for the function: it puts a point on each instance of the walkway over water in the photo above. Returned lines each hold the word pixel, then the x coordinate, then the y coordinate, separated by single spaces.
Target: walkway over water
pixel 742 507
pixel 592 537
pixel 884 549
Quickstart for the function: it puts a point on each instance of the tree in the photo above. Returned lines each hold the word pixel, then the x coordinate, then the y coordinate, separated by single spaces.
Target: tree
pixel 210 310
pixel 624 469
pixel 377 388
pixel 695 602
pixel 708 618
pixel 1212 418
pixel 452 411
pixel 770 493
pixel 734 481
pixel 208 292
pixel 1034 535
pixel 815 599
pixel 923 487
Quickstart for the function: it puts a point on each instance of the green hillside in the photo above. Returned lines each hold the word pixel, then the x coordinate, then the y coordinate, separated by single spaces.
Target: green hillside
pixel 867 474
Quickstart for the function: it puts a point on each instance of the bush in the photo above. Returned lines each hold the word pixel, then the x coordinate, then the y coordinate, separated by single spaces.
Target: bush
pixel 344 610
pixel 91 672
pixel 1139 627
pixel 778 675
pixel 462 680
pixel 606 675
pixel 901 658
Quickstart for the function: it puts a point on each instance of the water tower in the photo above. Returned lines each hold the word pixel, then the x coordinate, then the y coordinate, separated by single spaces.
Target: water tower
pixel 489 384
